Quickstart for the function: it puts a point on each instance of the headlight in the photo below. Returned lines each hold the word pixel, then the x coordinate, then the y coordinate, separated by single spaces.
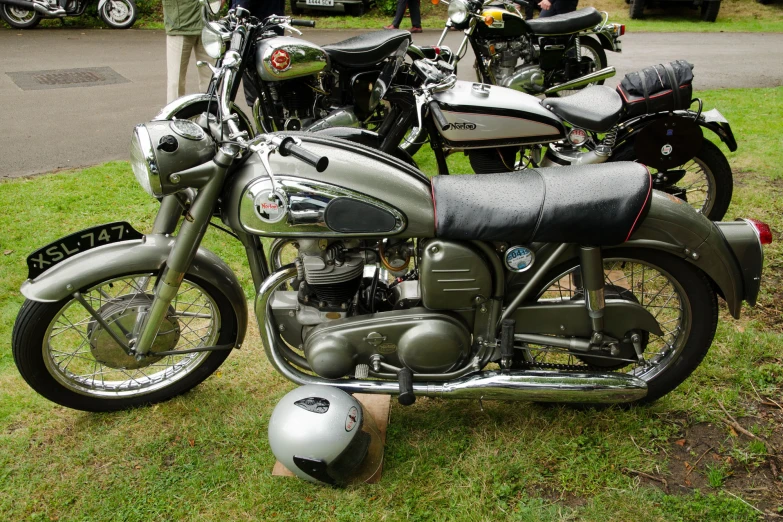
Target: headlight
pixel 145 168
pixel 458 11
pixel 212 40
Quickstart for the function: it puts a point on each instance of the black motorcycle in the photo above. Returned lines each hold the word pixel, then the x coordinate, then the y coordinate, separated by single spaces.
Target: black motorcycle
pixel 26 14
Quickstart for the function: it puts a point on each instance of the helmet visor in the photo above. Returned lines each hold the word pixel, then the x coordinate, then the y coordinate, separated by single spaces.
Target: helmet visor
pixel 362 458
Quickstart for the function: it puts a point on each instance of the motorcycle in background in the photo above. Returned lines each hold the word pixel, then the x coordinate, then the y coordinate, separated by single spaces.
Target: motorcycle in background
pixel 557 54
pixel 503 130
pixel 26 14
pixel 581 283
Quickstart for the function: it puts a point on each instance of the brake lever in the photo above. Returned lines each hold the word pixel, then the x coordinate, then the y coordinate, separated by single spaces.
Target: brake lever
pixel 290 28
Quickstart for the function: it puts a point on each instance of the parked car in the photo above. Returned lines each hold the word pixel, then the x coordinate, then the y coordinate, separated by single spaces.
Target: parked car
pixel 709 8
pixel 352 7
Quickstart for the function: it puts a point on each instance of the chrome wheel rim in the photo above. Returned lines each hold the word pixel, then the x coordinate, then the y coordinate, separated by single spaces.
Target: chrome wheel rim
pixel 117 11
pixel 652 287
pixel 698 184
pixel 19 15
pixel 70 346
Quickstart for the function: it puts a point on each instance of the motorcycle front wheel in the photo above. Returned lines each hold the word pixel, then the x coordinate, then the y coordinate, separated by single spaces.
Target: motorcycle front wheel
pixel 68 357
pixel 19 17
pixel 677 294
pixel 119 14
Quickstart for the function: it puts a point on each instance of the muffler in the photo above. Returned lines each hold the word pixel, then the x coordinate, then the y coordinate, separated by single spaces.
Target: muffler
pixel 337 118
pixel 30 6
pixel 534 385
pixel 596 76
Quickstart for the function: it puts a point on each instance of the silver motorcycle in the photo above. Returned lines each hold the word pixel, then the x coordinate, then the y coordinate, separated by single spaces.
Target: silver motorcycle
pixel 577 284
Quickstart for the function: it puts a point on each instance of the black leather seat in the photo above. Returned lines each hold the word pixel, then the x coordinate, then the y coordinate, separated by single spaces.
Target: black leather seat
pixel 592 205
pixel 566 23
pixel 596 108
pixel 366 49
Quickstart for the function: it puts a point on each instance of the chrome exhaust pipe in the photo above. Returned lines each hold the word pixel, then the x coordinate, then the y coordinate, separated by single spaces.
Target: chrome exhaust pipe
pixel 596 76
pixel 338 118
pixel 547 386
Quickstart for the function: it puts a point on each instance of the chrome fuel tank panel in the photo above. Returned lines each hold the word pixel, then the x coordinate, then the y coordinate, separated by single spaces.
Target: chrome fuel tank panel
pixel 488 115
pixel 355 174
pixel 285 57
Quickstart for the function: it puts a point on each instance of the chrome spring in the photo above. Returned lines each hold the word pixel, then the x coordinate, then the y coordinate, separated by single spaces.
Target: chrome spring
pixel 610 138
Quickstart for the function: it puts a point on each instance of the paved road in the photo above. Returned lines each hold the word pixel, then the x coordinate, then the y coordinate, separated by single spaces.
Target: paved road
pixel 44 130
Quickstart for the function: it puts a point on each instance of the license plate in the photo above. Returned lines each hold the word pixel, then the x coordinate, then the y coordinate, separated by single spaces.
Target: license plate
pixel 54 253
pixel 327 3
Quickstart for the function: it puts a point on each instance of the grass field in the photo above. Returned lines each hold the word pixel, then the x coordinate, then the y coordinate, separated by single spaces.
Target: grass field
pixel 735 16
pixel 204 456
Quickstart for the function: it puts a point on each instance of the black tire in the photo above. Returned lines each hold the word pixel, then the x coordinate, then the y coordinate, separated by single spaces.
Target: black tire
pixel 636 9
pixel 29 335
pixel 355 9
pixel 129 13
pixel 295 10
pixel 709 11
pixel 720 170
pixel 597 53
pixel 702 306
pixel 19 18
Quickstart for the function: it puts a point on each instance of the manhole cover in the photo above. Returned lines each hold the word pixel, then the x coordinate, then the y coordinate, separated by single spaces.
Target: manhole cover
pixel 62 78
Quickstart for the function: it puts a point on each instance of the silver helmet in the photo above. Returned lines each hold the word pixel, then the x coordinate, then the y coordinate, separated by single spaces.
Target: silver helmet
pixel 324 435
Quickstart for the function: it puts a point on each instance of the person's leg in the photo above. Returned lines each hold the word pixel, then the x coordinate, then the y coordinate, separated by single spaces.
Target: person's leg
pixel 414 6
pixel 176 66
pixel 204 73
pixel 547 12
pixel 401 4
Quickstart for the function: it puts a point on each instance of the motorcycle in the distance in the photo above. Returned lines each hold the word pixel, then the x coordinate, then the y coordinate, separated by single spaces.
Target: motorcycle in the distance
pixel 503 130
pixel 26 14
pixel 557 54
pixel 582 284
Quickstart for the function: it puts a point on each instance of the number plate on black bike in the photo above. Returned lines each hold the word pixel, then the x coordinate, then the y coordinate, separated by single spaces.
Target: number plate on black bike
pixel 46 257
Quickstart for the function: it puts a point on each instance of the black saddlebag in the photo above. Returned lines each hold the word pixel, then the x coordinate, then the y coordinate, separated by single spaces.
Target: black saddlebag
pixel 651 89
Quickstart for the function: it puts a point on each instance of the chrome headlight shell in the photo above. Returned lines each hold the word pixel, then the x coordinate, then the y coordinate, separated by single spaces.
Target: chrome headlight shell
pixel 458 11
pixel 143 162
pixel 212 40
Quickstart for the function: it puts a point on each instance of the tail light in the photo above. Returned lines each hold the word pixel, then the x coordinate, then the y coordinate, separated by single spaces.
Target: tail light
pixel 763 232
pixel 619 29
pixel 437 50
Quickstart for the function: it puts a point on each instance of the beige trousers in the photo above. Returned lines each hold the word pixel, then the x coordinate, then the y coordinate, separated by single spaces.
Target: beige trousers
pixel 178 51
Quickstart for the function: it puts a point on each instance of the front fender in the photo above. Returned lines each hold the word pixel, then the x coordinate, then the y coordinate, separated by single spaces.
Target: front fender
pixel 148 254
pixel 673 226
pixel 191 101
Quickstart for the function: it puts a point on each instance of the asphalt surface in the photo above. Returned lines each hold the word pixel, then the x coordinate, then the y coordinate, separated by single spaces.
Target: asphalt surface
pixel 48 129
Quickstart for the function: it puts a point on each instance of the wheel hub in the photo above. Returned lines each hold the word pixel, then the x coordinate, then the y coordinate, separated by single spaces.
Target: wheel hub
pixel 119 11
pixel 121 314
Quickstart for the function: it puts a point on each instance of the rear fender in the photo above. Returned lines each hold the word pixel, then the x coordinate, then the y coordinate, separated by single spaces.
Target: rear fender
pixel 148 254
pixel 608 43
pixel 674 227
pixel 710 120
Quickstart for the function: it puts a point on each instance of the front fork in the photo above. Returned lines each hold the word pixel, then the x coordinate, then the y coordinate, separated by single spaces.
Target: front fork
pixel 182 253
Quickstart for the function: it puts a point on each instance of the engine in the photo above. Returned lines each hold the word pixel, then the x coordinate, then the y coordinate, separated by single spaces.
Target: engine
pixel 357 305
pixel 504 57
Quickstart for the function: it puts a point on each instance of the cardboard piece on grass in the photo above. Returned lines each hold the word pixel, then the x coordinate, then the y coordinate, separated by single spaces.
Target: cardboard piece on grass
pixel 379 406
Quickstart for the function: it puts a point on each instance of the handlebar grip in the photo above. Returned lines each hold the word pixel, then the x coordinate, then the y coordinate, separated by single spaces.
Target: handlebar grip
pixel 303 23
pixel 236 41
pixel 440 119
pixel 289 147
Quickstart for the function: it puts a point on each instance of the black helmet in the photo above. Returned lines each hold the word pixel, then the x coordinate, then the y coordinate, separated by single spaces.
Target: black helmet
pixel 324 435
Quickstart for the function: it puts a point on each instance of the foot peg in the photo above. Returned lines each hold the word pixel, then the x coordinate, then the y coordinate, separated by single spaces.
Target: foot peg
pixel 406 396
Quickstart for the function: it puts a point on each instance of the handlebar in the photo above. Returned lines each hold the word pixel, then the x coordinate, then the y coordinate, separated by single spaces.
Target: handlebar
pixel 289 147
pixel 438 116
pixel 303 23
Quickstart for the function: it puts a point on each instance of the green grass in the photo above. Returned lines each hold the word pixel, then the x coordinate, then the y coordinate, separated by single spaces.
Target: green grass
pixel 204 456
pixel 735 16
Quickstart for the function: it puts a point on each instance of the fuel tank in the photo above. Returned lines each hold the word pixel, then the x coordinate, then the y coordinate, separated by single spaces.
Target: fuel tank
pixel 481 116
pixel 285 57
pixel 362 193
pixel 505 24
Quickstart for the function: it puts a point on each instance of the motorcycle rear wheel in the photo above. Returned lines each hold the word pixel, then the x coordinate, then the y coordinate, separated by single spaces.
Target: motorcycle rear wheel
pixel 592 47
pixel 680 297
pixel 67 357
pixel 19 18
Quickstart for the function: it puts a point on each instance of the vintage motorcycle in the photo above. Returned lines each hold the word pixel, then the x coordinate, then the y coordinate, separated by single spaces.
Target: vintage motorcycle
pixel 550 55
pixel 26 14
pixel 502 130
pixel 581 283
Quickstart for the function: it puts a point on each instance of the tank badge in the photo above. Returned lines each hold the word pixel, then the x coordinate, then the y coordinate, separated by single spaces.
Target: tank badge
pixel 313 404
pixel 351 419
pixel 270 206
pixel 280 59
pixel 519 258
pixel 462 126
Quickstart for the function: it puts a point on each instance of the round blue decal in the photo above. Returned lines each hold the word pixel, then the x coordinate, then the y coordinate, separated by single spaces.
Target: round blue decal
pixel 519 258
